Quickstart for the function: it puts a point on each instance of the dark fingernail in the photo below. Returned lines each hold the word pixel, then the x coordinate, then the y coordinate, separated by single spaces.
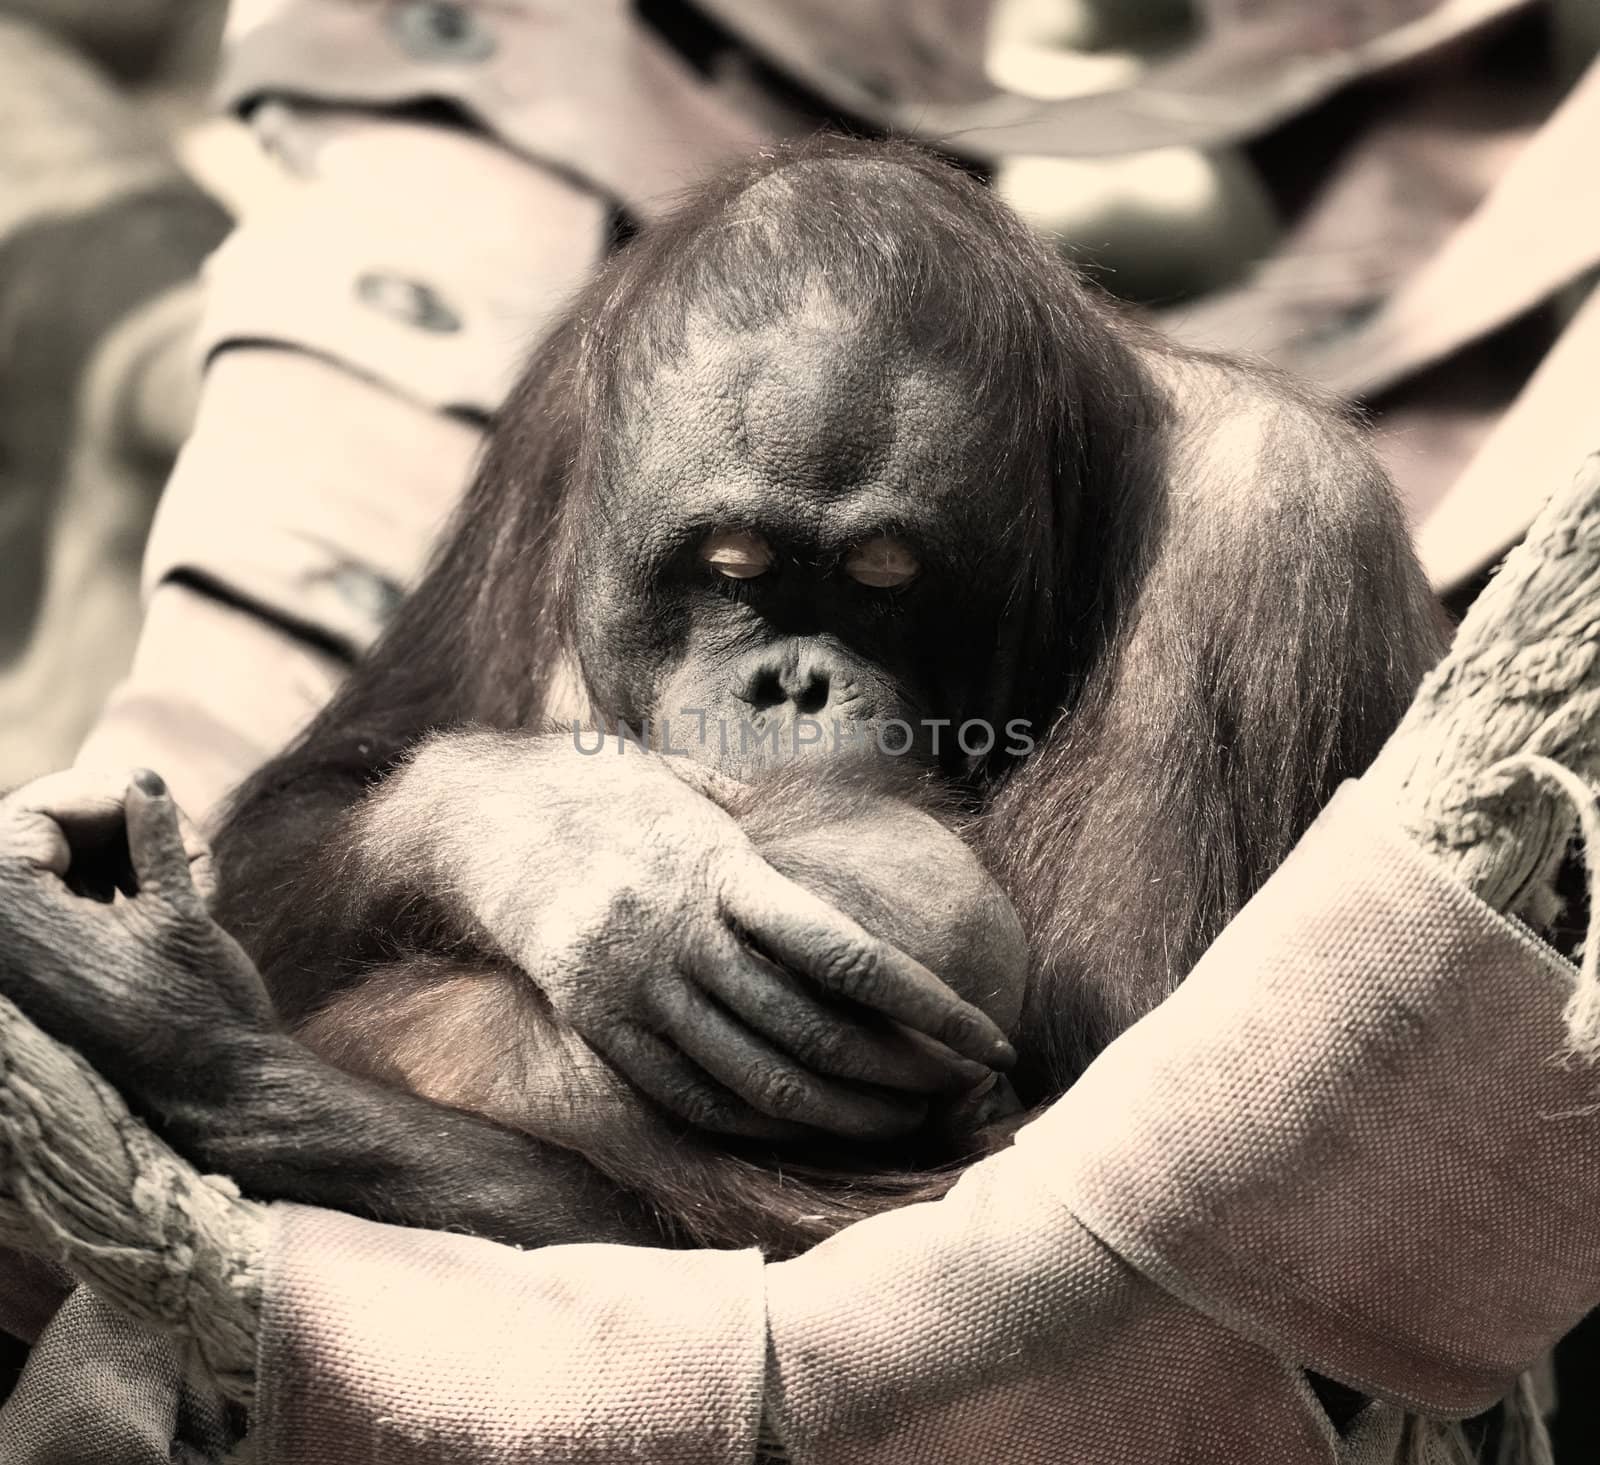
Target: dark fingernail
pixel 150 782
pixel 1005 1056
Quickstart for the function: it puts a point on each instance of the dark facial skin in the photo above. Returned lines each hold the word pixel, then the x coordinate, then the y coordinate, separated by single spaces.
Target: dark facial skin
pixel 793 530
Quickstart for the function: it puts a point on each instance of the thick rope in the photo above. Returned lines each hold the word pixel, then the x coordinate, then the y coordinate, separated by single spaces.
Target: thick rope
pixel 87 1183
pixel 1522 680
pixel 1493 767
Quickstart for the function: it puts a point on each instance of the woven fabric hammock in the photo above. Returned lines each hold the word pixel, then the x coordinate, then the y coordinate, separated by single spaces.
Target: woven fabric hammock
pixel 1488 775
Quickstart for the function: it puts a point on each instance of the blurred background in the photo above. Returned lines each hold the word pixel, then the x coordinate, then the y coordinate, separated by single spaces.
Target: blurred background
pixel 1398 199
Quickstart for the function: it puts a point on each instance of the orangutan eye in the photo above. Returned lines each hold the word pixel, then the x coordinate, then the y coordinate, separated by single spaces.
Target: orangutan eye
pixel 882 563
pixel 737 554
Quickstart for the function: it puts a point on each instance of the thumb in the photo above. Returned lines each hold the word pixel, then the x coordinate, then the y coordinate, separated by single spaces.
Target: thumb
pixel 155 842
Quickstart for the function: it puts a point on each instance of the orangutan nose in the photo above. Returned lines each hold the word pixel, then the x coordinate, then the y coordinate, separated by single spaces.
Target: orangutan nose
pixel 795 679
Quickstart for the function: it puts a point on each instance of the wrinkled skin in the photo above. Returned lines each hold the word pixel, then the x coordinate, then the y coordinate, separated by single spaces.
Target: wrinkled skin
pixel 671 945
pixel 102 926
pixel 819 437
pixel 96 869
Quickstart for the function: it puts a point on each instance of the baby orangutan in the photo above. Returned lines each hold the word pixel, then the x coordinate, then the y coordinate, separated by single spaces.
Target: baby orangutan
pixel 876 840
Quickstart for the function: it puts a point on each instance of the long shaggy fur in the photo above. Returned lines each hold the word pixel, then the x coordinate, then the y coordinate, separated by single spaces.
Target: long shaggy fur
pixel 1223 616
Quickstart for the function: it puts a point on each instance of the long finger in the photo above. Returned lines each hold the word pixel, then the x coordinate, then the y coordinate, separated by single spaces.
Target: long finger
pixel 828 1039
pixel 661 1071
pixel 771 1082
pixel 155 842
pixel 806 934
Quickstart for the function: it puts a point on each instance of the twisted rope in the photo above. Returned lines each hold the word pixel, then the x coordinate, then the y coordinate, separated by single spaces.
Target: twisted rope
pixel 1519 693
pixel 87 1183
